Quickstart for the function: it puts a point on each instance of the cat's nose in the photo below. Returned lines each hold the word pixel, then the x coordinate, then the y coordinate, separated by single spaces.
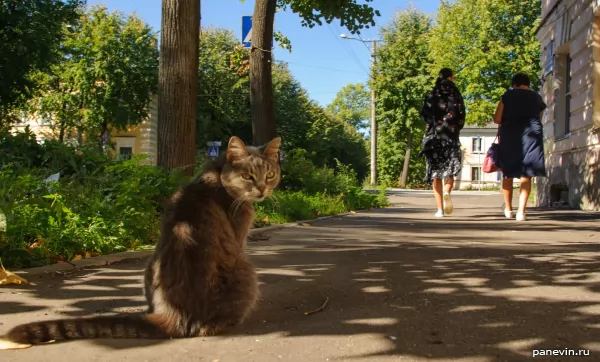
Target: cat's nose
pixel 262 189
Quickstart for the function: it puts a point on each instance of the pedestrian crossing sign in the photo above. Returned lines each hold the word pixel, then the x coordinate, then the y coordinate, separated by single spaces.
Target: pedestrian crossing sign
pixel 213 152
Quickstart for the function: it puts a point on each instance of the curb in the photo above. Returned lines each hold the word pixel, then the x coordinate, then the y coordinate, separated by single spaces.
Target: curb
pixel 140 254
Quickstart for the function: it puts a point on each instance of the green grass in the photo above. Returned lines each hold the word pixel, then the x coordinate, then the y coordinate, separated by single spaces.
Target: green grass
pixel 531 199
pixel 290 206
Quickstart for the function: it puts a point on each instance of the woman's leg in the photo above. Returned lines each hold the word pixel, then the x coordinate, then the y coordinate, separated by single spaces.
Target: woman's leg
pixel 524 196
pixel 437 191
pixel 507 191
pixel 448 185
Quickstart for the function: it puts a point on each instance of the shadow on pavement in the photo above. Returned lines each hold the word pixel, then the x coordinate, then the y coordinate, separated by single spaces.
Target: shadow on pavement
pixel 425 288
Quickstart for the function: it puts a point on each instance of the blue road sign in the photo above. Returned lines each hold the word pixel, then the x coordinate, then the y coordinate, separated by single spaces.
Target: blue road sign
pixel 213 152
pixel 247 31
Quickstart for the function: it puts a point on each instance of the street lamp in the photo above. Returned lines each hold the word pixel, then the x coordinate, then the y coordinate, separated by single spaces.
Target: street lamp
pixel 373 123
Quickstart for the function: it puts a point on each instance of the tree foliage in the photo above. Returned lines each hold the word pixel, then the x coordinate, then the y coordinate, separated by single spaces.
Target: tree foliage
pixel 402 78
pixel 352 105
pixel 224 108
pixel 106 78
pixel 223 97
pixel 30 35
pixel 353 15
pixel 485 42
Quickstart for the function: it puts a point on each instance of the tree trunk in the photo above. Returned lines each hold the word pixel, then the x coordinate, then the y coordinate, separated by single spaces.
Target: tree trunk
pixel 177 85
pixel 61 134
pixel 261 81
pixel 404 176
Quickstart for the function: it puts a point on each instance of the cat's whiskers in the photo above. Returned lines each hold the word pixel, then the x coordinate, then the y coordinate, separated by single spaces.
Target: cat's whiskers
pixel 236 204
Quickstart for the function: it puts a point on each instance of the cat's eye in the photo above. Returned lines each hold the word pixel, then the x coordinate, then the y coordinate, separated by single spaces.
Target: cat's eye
pixel 270 174
pixel 245 176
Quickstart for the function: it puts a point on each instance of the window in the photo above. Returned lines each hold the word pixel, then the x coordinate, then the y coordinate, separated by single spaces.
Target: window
pixel 549 61
pixel 475 173
pixel 567 124
pixel 125 153
pixel 477 145
pixel 562 95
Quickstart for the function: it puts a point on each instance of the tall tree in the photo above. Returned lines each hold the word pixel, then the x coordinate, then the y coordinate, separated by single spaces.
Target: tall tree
pixel 261 81
pixel 30 35
pixel 178 83
pixel 106 79
pixel 401 80
pixel 352 105
pixel 352 15
pixel 485 42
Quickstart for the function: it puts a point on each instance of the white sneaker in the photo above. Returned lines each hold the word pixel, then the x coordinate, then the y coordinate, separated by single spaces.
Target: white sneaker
pixel 440 213
pixel 448 207
pixel 508 214
pixel 521 216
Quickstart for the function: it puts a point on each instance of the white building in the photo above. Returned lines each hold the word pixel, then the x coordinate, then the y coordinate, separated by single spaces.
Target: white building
pixel 475 141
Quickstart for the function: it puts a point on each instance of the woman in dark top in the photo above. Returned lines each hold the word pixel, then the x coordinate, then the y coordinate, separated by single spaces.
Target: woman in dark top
pixel 444 112
pixel 521 151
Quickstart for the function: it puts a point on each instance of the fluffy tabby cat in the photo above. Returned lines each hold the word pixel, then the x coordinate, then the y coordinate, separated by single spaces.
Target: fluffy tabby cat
pixel 198 281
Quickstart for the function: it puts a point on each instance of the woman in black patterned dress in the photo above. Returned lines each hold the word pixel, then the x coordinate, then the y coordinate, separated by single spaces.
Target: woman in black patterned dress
pixel 444 112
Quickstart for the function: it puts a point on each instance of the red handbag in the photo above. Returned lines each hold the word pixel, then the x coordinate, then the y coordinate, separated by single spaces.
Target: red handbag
pixel 490 162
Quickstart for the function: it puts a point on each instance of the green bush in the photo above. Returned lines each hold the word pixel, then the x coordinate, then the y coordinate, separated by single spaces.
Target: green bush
pixel 102 205
pixel 300 174
pixel 118 210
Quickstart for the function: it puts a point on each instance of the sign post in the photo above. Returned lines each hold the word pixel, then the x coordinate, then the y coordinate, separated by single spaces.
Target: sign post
pixel 247 32
pixel 213 149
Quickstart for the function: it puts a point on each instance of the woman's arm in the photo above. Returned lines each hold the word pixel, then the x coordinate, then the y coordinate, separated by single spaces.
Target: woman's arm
pixel 498 114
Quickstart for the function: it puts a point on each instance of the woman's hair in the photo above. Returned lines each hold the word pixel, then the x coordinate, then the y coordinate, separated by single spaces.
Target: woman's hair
pixel 445 73
pixel 520 79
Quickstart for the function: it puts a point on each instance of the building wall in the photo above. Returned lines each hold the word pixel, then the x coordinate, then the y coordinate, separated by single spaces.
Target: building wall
pixel 141 138
pixel 571 125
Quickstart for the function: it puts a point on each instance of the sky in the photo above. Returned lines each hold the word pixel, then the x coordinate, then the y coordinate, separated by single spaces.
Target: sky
pixel 320 60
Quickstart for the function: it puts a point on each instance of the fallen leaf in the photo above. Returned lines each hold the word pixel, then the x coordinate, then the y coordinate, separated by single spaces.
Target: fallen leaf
pixel 352 212
pixel 7 277
pixel 88 255
pixel 77 257
pixel 266 219
pixel 8 344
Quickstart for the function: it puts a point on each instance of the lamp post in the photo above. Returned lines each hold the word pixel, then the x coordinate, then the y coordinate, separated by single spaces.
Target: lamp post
pixel 373 122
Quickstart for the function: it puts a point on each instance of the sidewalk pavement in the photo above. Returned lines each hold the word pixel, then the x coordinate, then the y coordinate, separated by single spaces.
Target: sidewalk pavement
pixel 402 286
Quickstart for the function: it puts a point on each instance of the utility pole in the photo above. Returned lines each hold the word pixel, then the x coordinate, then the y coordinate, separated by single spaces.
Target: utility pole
pixel 373 121
pixel 373 114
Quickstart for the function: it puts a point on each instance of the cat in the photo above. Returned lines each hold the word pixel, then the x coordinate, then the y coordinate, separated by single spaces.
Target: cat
pixel 198 281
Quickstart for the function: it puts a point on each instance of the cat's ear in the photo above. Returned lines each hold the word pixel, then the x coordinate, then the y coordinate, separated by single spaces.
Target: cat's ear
pixel 271 149
pixel 236 149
